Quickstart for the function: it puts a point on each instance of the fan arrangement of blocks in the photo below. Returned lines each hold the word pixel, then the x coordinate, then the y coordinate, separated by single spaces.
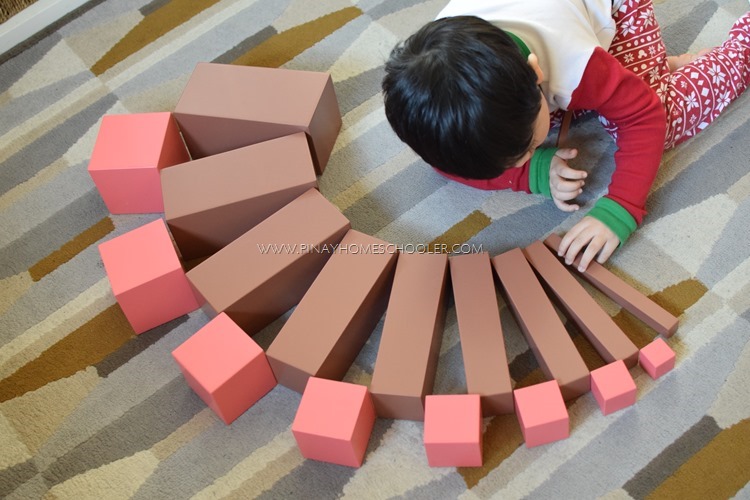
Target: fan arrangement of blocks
pixel 234 170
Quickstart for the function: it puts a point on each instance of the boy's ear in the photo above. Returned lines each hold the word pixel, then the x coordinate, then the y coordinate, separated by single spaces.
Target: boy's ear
pixel 534 63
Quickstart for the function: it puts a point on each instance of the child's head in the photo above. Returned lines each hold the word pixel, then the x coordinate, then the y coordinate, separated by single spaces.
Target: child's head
pixel 461 94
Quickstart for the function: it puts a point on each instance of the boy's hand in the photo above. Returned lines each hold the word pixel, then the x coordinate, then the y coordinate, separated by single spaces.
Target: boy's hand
pixel 592 234
pixel 565 182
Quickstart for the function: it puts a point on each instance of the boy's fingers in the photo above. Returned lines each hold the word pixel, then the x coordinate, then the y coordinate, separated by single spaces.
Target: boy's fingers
pixel 565 186
pixel 565 207
pixel 571 173
pixel 566 153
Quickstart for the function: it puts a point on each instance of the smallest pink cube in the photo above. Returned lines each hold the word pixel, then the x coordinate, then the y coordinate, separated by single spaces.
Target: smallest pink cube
pixel 453 430
pixel 128 154
pixel 225 367
pixel 542 413
pixel 146 276
pixel 334 422
pixel 657 358
pixel 613 387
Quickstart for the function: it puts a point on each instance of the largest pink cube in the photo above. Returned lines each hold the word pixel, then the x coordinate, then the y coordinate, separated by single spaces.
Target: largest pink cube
pixel 334 422
pixel 453 430
pixel 225 367
pixel 146 276
pixel 542 414
pixel 129 152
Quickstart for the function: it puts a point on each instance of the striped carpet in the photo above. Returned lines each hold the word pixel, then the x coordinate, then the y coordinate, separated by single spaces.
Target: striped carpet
pixel 89 410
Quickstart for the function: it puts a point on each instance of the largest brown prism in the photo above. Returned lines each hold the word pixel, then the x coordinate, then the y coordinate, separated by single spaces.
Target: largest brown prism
pixel 210 202
pixel 336 316
pixel 263 273
pixel 550 342
pixel 412 333
pixel 225 106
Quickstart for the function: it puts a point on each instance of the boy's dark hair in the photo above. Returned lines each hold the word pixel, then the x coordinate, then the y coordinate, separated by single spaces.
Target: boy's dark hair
pixel 461 94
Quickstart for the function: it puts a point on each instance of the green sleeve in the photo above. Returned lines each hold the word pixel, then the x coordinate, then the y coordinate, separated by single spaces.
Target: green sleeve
pixel 539 171
pixel 615 217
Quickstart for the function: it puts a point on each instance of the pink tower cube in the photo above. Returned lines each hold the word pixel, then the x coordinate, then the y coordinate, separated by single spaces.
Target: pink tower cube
pixel 541 413
pixel 129 152
pixel 225 367
pixel 613 387
pixel 657 358
pixel 146 276
pixel 334 422
pixel 453 430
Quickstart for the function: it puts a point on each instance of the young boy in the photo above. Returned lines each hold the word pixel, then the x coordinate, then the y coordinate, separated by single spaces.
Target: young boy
pixel 472 93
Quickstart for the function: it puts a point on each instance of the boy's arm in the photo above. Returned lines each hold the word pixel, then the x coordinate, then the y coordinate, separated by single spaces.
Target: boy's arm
pixel 629 103
pixel 531 177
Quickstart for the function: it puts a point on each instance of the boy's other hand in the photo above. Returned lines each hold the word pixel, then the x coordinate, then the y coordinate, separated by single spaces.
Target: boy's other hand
pixel 599 241
pixel 565 182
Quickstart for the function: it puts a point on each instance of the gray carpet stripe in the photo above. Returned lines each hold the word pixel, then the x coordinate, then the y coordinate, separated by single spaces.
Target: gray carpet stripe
pixel 17 111
pixel 14 476
pixel 392 198
pixel 690 187
pixel 62 285
pixel 16 67
pixel 391 7
pixel 166 409
pixel 221 447
pixel 353 91
pixel 731 249
pixel 680 38
pixel 347 165
pixel 60 228
pixel 153 6
pixel 136 346
pixel 41 152
pixel 673 456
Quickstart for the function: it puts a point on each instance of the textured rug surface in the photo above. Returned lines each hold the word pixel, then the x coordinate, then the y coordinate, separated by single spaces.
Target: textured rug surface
pixel 90 410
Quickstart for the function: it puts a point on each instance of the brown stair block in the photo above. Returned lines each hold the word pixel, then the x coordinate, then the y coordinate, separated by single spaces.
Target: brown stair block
pixel 550 342
pixel 480 330
pixel 412 333
pixel 599 328
pixel 263 273
pixel 336 316
pixel 210 202
pixel 623 294
pixel 225 106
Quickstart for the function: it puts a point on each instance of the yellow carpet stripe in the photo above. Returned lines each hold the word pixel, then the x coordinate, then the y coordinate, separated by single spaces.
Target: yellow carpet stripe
pixel 84 347
pixel 71 249
pixel 150 29
pixel 284 46
pixel 719 470
pixel 461 232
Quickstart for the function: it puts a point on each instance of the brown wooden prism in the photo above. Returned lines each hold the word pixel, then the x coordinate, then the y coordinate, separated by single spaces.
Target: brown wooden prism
pixel 599 328
pixel 210 202
pixel 412 333
pixel 226 106
pixel 336 316
pixel 554 349
pixel 263 273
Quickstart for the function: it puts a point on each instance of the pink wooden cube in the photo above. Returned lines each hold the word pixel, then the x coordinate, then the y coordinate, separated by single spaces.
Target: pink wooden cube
pixel 613 387
pixel 657 358
pixel 146 276
pixel 453 430
pixel 334 422
pixel 129 152
pixel 225 367
pixel 541 413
